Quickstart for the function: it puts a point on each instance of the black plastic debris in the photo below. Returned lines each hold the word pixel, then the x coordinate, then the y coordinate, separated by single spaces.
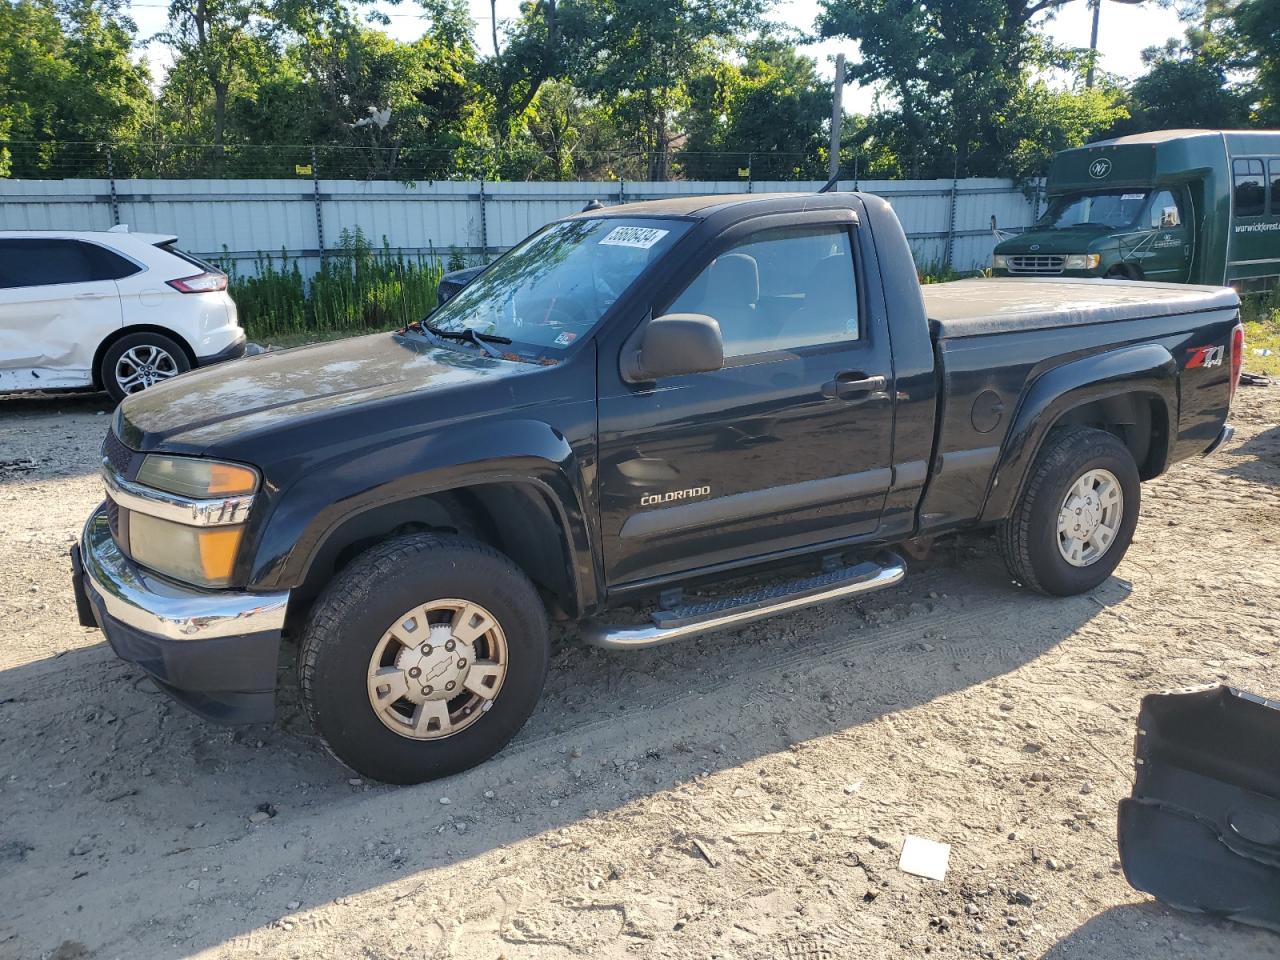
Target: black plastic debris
pixel 1201 831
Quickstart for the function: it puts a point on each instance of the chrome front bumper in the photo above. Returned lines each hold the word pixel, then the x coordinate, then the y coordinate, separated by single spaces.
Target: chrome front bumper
pixel 214 651
pixel 144 601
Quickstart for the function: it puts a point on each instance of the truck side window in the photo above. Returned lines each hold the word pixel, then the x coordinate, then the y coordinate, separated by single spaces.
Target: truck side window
pixel 1164 211
pixel 1250 194
pixel 1275 188
pixel 779 290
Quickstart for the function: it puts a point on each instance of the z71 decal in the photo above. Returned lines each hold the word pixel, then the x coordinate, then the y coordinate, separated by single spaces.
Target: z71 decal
pixel 650 499
pixel 1206 356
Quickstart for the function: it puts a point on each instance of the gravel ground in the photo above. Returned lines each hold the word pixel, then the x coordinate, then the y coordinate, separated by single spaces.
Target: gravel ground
pixel 745 795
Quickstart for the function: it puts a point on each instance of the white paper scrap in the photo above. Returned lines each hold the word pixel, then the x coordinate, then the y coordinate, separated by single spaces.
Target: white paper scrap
pixel 924 858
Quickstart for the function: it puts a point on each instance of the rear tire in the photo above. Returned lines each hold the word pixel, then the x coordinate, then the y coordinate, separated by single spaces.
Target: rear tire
pixel 1074 519
pixel 391 613
pixel 140 360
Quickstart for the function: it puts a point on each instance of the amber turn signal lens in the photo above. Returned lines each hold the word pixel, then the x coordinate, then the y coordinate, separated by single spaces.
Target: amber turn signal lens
pixel 227 478
pixel 218 552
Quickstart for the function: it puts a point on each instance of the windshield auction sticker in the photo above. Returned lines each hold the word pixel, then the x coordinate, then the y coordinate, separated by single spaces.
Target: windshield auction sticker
pixel 640 237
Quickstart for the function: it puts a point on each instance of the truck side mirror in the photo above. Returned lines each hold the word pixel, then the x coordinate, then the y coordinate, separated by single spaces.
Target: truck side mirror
pixel 673 345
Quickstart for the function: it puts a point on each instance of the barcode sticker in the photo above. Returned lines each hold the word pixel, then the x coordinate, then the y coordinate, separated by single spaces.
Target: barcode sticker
pixel 640 237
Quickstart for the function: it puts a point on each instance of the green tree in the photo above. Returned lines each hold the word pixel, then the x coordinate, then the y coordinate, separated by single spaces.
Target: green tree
pixel 767 112
pixel 218 41
pixel 47 50
pixel 640 52
pixel 1257 26
pixel 959 79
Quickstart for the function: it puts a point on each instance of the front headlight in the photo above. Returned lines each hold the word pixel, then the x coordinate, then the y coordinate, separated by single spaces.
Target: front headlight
pixel 1082 261
pixel 185 516
pixel 195 478
pixel 999 261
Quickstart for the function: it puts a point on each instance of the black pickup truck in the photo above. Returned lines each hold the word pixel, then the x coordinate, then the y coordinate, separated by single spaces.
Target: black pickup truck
pixel 631 401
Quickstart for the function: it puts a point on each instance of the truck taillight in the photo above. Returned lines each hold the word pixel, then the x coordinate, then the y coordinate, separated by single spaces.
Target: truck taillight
pixel 1237 360
pixel 207 282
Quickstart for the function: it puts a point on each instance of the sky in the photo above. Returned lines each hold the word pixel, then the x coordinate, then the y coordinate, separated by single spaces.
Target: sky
pixel 1125 31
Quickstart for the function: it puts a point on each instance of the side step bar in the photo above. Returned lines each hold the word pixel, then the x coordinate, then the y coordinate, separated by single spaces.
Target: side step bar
pixel 693 619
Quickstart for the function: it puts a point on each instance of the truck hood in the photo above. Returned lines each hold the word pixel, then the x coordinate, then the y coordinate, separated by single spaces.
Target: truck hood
pixel 1081 239
pixel 201 409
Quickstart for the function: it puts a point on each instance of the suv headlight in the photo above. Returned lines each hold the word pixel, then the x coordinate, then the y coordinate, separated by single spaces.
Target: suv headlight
pixel 186 516
pixel 1082 261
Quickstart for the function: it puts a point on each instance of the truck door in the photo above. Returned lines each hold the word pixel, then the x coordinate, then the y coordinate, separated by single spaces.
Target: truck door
pixel 787 446
pixel 1167 256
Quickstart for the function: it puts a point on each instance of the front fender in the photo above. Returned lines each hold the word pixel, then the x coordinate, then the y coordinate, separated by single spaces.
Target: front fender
pixel 1147 369
pixel 305 514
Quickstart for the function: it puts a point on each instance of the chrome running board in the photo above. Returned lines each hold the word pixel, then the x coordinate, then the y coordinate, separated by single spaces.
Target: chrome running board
pixel 694 619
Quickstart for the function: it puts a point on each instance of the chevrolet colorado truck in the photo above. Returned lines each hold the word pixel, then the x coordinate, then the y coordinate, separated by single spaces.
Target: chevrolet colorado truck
pixel 632 401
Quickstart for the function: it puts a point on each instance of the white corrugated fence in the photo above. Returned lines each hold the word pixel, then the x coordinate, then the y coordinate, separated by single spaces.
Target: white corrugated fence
pixel 947 221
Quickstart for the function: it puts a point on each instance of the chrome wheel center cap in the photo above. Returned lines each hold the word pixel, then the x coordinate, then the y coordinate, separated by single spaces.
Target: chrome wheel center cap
pixel 437 667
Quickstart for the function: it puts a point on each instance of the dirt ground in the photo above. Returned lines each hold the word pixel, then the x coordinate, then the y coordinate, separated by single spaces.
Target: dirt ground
pixel 745 795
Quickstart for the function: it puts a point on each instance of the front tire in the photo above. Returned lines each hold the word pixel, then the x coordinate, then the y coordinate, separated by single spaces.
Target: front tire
pixel 1074 520
pixel 423 658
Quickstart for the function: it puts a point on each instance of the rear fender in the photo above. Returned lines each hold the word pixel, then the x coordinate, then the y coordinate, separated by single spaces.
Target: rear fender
pixel 1147 370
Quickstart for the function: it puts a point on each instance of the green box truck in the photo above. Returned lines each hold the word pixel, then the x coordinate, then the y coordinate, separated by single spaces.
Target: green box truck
pixel 1181 206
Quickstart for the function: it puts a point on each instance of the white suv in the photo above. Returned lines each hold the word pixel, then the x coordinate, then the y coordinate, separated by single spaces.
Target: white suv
pixel 116 310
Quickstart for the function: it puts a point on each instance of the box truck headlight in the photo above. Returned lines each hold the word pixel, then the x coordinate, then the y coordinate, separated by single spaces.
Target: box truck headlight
pixel 999 261
pixel 1083 261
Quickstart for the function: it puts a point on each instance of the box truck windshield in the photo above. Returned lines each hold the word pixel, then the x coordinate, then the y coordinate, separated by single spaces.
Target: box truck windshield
pixel 1103 208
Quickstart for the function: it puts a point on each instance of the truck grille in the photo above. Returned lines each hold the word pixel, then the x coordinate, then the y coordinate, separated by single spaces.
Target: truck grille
pixel 117 455
pixel 1037 263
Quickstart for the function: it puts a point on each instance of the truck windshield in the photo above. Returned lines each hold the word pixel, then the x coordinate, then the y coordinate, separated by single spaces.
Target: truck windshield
pixel 1108 208
pixel 554 287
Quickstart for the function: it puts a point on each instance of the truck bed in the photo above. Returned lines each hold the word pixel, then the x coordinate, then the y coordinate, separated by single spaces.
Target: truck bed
pixel 980 307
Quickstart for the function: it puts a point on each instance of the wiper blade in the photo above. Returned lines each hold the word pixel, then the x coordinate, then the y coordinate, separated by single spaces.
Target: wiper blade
pixel 482 340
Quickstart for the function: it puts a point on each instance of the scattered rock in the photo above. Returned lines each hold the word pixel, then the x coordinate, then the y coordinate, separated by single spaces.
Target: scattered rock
pixel 445 801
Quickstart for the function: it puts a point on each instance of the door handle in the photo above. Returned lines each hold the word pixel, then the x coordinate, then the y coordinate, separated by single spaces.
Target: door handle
pixel 850 386
pixel 92 296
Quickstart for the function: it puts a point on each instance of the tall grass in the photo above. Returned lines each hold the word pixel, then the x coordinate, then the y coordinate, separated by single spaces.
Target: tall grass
pixel 359 288
pixel 1261 315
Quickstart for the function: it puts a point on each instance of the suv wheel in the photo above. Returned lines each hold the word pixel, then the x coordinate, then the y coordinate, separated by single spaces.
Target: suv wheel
pixel 138 361
pixel 423 658
pixel 1075 518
